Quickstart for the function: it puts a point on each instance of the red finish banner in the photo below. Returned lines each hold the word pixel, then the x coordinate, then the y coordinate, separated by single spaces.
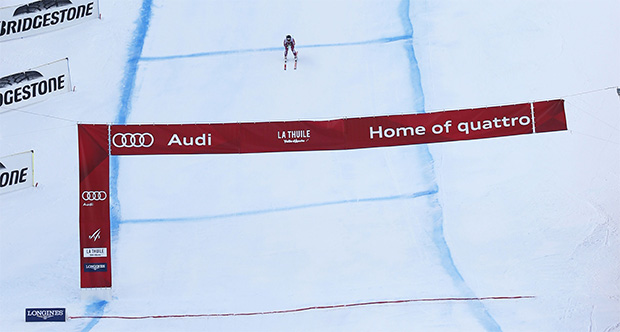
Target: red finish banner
pixel 340 134
pixel 95 255
pixel 98 142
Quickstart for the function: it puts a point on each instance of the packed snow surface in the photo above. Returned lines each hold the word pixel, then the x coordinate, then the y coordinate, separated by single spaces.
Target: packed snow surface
pixel 533 218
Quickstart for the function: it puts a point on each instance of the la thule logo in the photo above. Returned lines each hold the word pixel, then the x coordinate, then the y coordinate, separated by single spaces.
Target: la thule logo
pixel 294 136
pixel 96 235
pixel 95 252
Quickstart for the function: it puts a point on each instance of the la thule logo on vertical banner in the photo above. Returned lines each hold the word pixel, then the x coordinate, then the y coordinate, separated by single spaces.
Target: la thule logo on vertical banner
pixel 95 252
pixel 33 85
pixel 44 15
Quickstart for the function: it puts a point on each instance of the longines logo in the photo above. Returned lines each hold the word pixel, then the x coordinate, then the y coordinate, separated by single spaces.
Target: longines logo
pixel 45 314
pixel 95 267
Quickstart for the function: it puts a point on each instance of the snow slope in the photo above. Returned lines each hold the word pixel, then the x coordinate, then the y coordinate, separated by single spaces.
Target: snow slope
pixel 532 215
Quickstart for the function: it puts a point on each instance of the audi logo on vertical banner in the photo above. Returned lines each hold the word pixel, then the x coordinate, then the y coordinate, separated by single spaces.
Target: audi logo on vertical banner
pixel 94 198
pixel 133 140
pixel 34 85
pixel 91 196
pixel 45 15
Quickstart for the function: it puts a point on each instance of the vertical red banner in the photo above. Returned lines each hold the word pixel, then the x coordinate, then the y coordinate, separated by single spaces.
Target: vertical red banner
pixel 95 254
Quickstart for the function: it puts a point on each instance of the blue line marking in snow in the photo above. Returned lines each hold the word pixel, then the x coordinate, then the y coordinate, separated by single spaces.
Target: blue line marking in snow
pixel 282 209
pixel 271 49
pixel 94 309
pixel 127 86
pixel 115 204
pixel 131 67
pixel 438 236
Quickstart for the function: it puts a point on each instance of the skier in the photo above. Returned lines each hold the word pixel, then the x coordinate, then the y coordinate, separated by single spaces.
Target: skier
pixel 289 41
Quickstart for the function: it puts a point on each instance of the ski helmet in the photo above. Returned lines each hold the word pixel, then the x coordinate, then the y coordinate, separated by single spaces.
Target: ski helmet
pixel 288 37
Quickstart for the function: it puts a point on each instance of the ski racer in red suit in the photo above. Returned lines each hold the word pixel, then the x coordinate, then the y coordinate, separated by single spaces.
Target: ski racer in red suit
pixel 289 42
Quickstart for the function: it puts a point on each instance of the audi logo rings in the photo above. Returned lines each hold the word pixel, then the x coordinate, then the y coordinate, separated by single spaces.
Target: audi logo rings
pixel 133 140
pixel 94 195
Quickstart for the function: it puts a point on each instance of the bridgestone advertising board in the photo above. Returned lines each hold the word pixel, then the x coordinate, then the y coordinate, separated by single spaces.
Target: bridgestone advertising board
pixel 16 172
pixel 34 85
pixel 32 18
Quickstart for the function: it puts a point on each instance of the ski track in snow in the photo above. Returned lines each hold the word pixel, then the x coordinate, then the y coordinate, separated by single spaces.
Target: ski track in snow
pixel 286 208
pixel 128 83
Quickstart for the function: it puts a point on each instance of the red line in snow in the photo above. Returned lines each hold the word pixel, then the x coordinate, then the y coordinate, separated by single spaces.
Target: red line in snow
pixel 325 307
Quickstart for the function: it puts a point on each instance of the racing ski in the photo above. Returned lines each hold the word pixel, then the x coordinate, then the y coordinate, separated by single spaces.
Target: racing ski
pixel 294 66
